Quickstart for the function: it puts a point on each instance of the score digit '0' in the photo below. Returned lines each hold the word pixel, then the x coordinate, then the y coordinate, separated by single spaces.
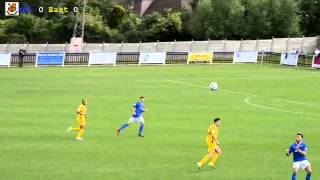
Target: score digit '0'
pixel 75 9
pixel 40 9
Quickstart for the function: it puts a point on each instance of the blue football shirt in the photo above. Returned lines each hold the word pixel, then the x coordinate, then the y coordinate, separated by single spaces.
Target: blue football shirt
pixel 139 106
pixel 296 155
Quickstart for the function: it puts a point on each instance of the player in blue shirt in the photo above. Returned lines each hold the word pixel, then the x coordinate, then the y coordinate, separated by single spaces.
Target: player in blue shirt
pixel 138 109
pixel 299 150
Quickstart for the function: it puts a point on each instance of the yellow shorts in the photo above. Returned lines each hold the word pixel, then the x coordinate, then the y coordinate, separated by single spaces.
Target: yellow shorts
pixel 81 121
pixel 211 147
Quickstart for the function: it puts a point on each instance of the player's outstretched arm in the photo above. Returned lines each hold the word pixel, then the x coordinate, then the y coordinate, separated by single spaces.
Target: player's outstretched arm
pixel 287 152
pixel 133 111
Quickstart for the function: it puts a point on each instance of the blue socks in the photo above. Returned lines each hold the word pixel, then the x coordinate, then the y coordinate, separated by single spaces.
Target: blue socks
pixel 294 176
pixel 141 129
pixel 308 177
pixel 124 126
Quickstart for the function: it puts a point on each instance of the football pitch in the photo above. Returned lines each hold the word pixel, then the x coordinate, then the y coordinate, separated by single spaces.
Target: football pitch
pixel 262 108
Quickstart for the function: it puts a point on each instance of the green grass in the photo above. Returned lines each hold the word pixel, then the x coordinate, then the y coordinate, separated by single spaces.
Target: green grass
pixel 37 106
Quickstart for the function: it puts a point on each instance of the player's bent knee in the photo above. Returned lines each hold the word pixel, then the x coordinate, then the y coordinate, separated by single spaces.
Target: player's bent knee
pixel 210 154
pixel 309 170
pixel 218 150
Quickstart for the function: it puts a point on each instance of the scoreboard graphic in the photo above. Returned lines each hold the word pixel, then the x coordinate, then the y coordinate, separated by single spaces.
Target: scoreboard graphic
pixel 18 8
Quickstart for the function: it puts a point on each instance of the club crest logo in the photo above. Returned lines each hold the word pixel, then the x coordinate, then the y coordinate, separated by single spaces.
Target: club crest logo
pixel 12 9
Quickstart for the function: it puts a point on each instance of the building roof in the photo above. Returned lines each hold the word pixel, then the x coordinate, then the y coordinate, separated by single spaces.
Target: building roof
pixel 143 7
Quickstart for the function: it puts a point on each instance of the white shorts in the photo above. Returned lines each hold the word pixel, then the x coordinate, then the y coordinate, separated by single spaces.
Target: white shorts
pixel 136 120
pixel 301 164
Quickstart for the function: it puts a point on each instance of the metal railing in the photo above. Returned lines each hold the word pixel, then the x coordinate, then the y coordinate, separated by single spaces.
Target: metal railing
pixel 177 58
pixel 274 58
pixel 171 58
pixel 28 60
pixel 76 59
pixel 127 58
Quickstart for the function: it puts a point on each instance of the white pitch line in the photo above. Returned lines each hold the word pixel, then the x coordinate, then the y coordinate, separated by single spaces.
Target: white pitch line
pixel 237 92
pixel 264 77
pixel 247 101
pixel 206 87
pixel 187 84
pixel 297 102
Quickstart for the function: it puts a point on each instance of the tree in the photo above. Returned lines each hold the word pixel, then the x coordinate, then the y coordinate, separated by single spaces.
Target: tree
pixel 130 28
pixel 110 21
pixel 63 29
pixel 217 19
pixel 116 16
pixel 287 23
pixel 23 25
pixel 194 4
pixel 185 34
pixel 104 6
pixel 161 27
pixel 43 30
pixel 126 3
pixel 256 23
pixel 310 17
pixel 96 31
pixel 16 38
pixel 283 16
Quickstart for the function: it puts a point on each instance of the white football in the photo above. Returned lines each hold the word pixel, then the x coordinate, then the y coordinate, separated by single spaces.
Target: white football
pixel 213 86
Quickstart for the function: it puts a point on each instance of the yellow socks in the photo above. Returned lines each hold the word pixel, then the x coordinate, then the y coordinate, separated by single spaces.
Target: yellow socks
pixel 75 129
pixel 215 158
pixel 204 160
pixel 80 133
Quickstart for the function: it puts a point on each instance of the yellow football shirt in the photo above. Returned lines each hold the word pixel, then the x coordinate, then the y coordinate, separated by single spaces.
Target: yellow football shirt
pixel 212 129
pixel 83 110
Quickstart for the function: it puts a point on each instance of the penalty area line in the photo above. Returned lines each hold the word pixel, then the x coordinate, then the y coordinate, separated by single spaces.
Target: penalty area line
pixel 247 101
pixel 251 96
pixel 297 102
pixel 206 87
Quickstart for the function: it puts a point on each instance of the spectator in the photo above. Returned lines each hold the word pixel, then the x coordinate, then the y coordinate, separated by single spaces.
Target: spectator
pixel 317 52
pixel 22 53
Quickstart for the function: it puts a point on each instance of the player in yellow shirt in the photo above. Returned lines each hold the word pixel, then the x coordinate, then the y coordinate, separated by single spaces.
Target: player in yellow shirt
pixel 214 150
pixel 81 119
